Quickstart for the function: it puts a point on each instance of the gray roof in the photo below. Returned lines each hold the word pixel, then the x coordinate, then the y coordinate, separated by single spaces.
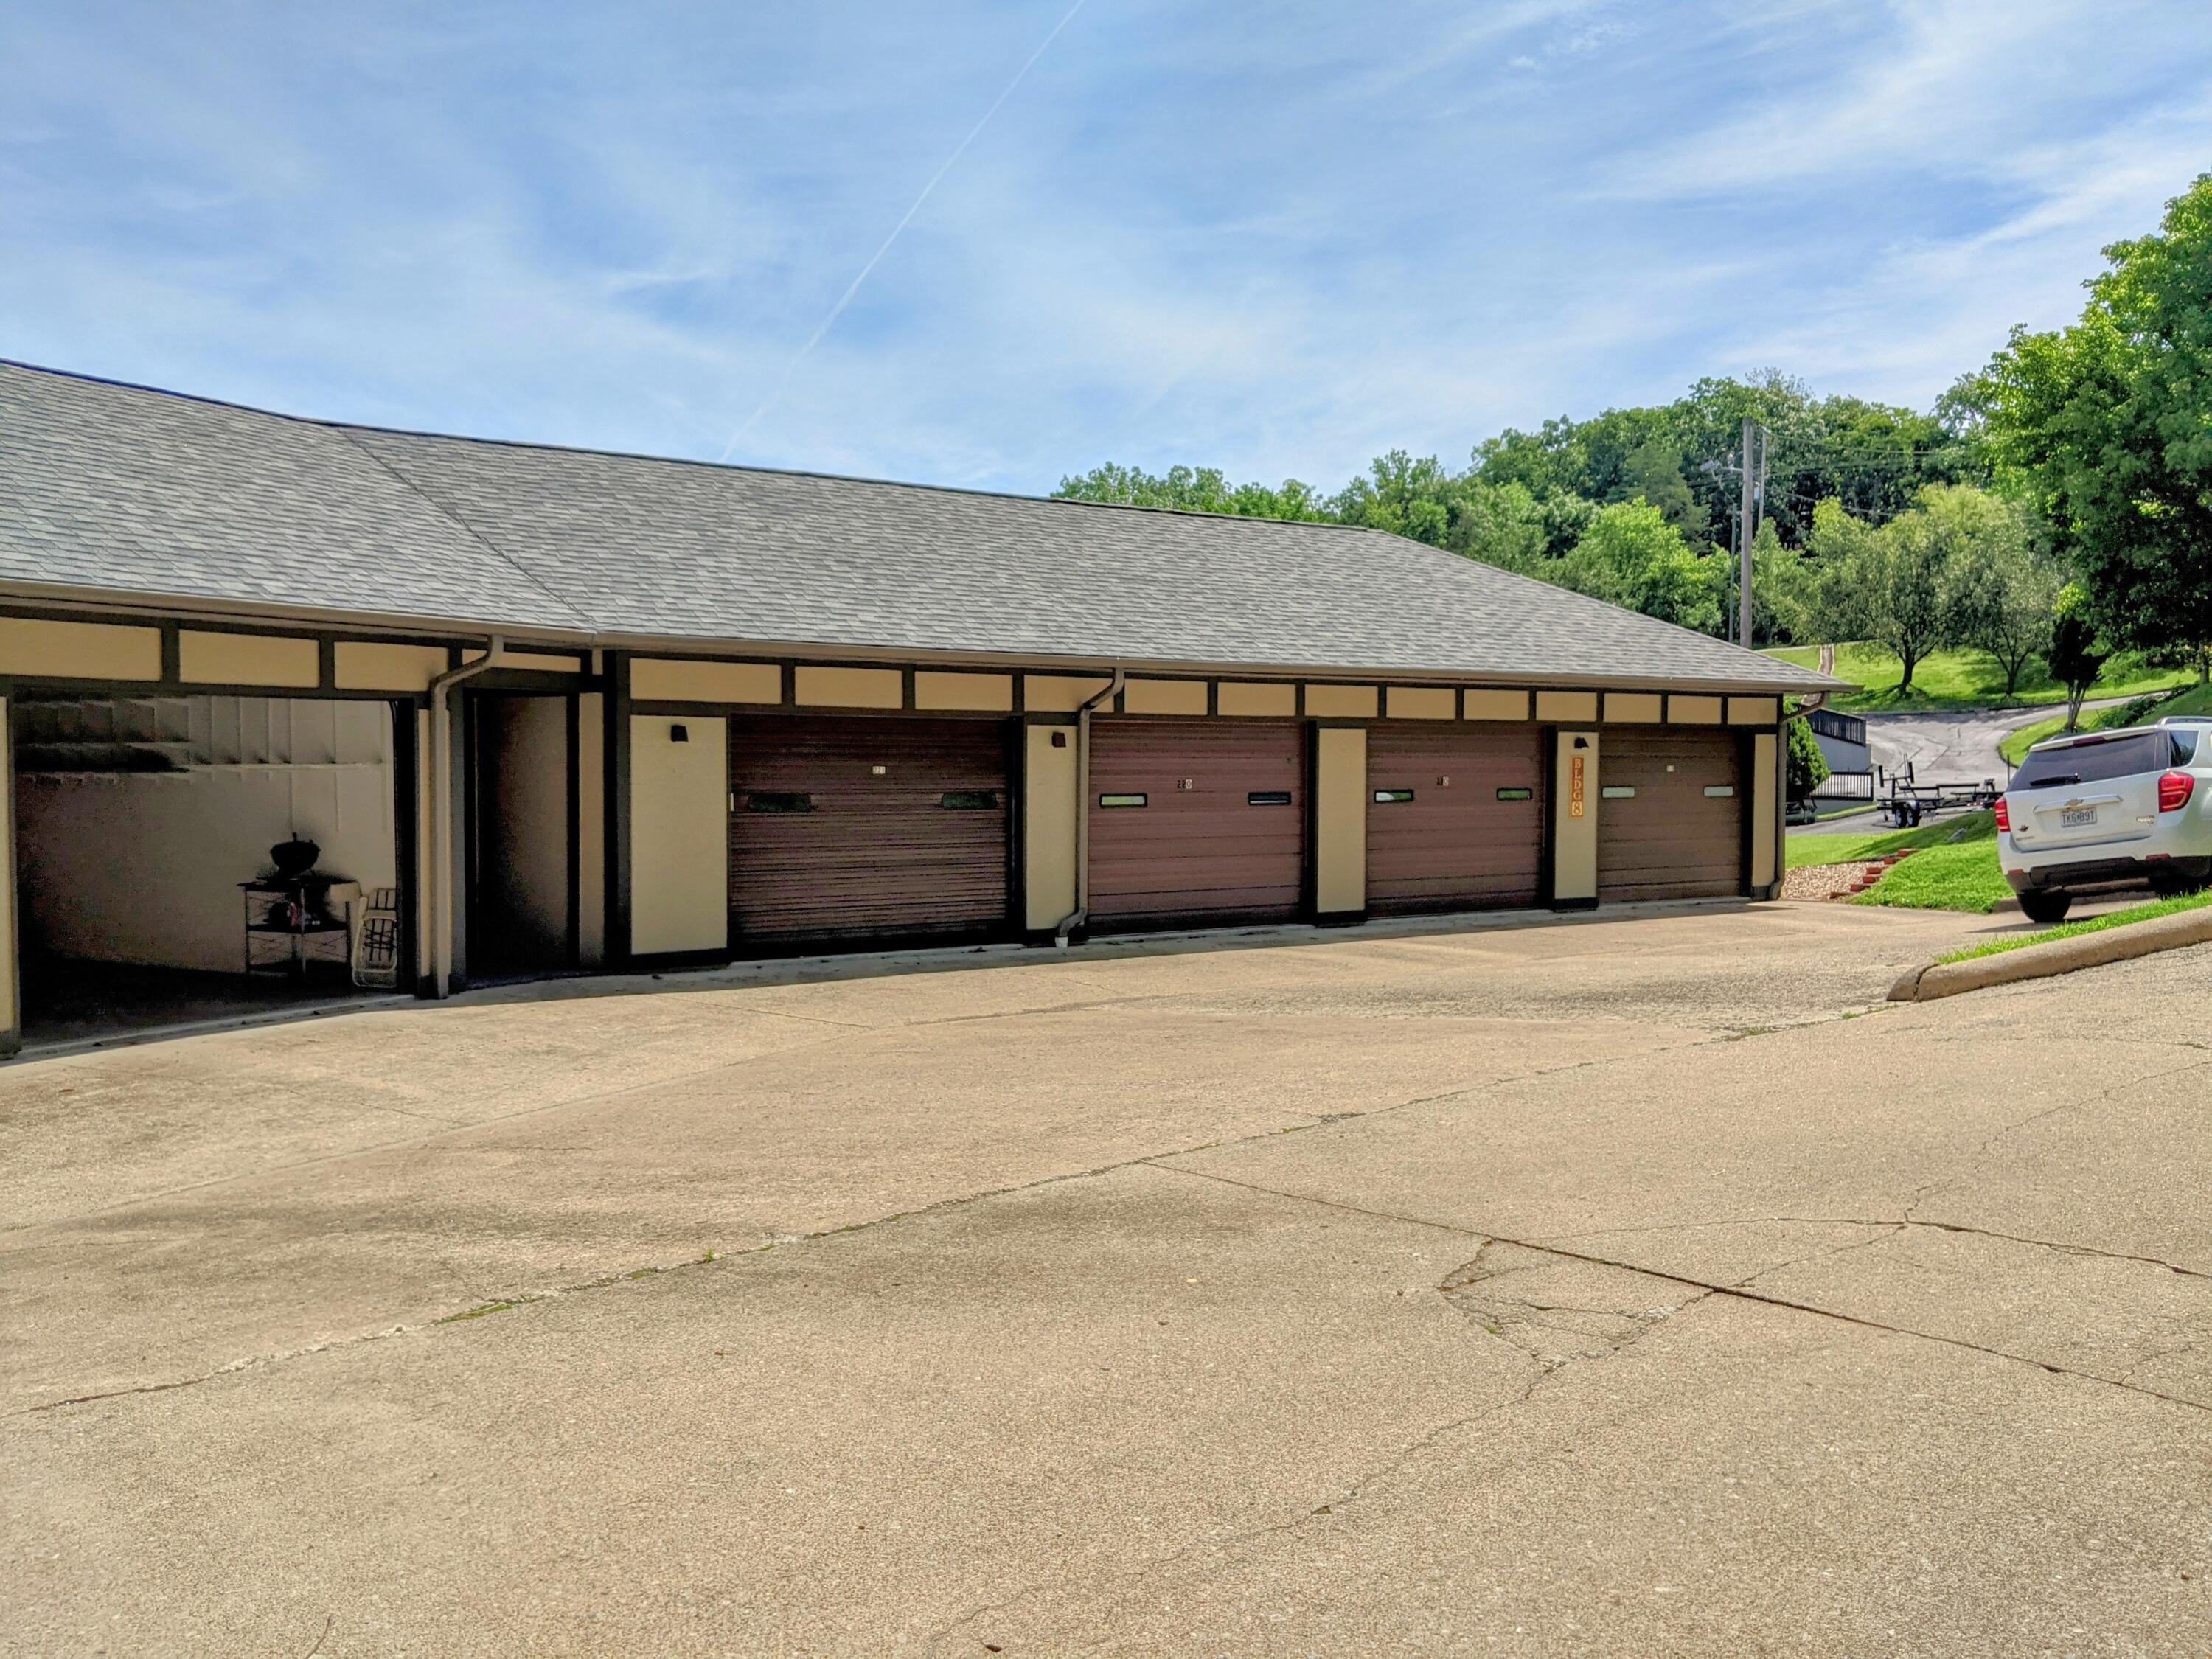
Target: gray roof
pixel 116 490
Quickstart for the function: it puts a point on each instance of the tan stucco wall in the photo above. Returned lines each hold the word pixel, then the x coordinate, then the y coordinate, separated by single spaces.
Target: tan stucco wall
pixel 1753 711
pixel 249 660
pixel 1341 702
pixel 538 662
pixel 849 688
pixel 1495 706
pixel 679 881
pixel 1422 702
pixel 1565 706
pixel 1633 707
pixel 1279 701
pixel 67 650
pixel 1164 698
pixel 1057 693
pixel 1766 786
pixel 1574 844
pixel 1049 809
pixel 363 666
pixel 11 1005
pixel 591 829
pixel 655 679
pixel 988 694
pixel 1693 711
pixel 1339 787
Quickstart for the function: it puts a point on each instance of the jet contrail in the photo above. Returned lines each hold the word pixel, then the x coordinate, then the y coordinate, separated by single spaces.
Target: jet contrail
pixel 846 299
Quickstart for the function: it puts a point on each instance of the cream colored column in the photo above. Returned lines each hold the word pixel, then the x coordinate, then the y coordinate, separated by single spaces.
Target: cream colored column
pixel 679 821
pixel 1574 818
pixel 11 1000
pixel 1339 787
pixel 1050 810
pixel 1765 812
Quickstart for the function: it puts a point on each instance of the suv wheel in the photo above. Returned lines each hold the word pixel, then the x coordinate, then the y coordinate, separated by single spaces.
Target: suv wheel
pixel 2045 906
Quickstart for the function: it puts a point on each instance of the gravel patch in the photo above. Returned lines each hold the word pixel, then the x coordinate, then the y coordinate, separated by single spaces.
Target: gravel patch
pixel 1822 881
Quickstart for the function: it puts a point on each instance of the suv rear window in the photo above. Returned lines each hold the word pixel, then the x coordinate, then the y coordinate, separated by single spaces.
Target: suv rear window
pixel 2095 763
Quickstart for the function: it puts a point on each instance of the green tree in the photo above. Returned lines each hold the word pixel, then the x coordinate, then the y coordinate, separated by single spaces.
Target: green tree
pixel 2001 590
pixel 2108 424
pixel 1889 586
pixel 1502 524
pixel 1405 496
pixel 1807 768
pixel 2078 651
pixel 1631 556
pixel 1192 490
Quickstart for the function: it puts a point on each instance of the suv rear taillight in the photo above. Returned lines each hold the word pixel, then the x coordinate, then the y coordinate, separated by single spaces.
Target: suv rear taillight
pixel 2173 791
pixel 2004 815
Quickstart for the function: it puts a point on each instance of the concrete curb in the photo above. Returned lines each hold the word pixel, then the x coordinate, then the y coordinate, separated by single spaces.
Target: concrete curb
pixel 2061 956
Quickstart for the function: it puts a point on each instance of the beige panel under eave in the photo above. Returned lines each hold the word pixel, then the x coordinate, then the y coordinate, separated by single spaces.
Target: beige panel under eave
pixel 662 679
pixel 1340 702
pixel 849 688
pixel 1422 702
pixel 1056 694
pixel 1692 711
pixel 249 660
pixel 1566 706
pixel 1487 705
pixel 1633 707
pixel 1164 698
pixel 362 665
pixel 1250 699
pixel 39 649
pixel 982 694
pixel 1753 711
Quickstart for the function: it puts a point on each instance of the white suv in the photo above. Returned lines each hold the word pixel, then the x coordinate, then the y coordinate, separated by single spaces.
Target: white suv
pixel 2109 806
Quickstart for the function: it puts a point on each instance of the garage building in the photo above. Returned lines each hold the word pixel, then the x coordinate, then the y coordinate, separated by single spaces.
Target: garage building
pixel 544 710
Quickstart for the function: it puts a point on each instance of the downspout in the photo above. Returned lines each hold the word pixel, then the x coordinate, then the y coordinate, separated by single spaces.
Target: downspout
pixel 1081 914
pixel 442 817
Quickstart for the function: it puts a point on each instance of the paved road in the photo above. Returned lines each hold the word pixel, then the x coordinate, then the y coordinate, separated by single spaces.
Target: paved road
pixel 1957 746
pixel 1594 1286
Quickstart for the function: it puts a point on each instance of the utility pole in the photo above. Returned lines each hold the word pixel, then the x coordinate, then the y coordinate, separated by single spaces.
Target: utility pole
pixel 1745 530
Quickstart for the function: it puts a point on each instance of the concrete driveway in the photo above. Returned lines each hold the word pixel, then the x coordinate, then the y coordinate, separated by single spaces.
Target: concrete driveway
pixel 1628 1286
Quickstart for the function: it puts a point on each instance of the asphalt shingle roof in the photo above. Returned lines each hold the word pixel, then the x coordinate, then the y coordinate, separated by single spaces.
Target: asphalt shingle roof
pixel 118 489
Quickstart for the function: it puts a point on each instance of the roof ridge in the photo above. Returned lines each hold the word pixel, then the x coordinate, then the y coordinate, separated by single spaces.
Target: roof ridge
pixel 545 447
pixel 453 517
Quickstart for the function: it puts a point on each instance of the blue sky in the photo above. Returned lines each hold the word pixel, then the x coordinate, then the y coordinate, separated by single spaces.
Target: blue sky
pixel 1276 238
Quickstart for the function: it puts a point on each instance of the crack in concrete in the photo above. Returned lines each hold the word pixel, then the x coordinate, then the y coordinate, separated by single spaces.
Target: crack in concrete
pixel 1479 1271
pixel 1975 1158
pixel 527 1297
pixel 1744 1292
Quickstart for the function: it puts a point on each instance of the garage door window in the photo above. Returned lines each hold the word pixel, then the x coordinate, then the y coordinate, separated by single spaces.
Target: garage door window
pixel 968 800
pixel 778 801
pixel 1268 798
pixel 1389 796
pixel 1125 800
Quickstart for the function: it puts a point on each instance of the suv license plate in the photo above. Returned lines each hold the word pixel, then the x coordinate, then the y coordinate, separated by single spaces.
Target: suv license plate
pixel 2077 817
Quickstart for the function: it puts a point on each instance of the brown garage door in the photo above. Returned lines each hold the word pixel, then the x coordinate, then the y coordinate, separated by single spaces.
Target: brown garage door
pixel 1196 823
pixel 859 830
pixel 1669 815
pixel 1455 817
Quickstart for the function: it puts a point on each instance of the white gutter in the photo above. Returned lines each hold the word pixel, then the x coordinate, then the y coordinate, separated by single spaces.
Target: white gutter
pixel 442 897
pixel 1081 914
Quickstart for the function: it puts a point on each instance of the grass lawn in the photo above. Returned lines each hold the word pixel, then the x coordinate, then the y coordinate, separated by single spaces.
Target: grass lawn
pixel 2197 700
pixel 1954 865
pixel 2092 925
pixel 1965 679
pixel 1859 848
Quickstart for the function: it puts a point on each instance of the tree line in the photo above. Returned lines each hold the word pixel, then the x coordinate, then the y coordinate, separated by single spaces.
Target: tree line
pixel 2054 505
